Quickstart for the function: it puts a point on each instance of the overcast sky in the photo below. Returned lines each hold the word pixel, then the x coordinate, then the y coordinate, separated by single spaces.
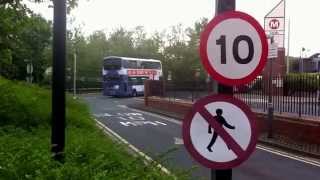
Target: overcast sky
pixel 156 15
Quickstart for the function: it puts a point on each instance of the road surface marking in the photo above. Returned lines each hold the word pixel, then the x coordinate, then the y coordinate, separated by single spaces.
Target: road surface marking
pixel 122 106
pixel 102 115
pixel 290 156
pixel 164 124
pixel 132 147
pixel 178 141
pixel 154 115
pixel 141 123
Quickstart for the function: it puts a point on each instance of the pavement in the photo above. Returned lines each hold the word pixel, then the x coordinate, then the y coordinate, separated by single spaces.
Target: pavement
pixel 159 137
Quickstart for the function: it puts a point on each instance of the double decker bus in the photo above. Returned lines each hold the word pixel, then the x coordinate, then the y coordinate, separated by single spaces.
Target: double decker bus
pixel 124 76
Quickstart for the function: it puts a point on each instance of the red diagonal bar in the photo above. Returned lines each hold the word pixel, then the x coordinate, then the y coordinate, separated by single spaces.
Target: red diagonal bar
pixel 227 138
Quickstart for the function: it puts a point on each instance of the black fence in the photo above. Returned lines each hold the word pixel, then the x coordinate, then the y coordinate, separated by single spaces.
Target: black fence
pixel 295 94
pixel 290 94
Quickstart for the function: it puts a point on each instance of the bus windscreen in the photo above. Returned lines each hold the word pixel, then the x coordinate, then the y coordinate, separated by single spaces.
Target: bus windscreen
pixel 112 64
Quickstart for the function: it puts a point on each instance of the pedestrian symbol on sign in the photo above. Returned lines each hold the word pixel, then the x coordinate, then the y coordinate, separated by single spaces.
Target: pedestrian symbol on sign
pixel 220 119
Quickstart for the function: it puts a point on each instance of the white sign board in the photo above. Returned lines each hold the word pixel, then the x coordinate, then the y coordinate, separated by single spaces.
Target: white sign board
pixel 273 51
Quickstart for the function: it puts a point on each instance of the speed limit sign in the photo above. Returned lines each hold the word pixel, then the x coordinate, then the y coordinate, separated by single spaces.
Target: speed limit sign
pixel 233 48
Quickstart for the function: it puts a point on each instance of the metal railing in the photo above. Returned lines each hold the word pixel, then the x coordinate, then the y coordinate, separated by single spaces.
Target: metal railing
pixel 290 94
pixel 299 95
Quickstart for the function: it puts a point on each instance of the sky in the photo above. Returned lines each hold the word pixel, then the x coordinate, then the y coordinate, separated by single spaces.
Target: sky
pixel 157 15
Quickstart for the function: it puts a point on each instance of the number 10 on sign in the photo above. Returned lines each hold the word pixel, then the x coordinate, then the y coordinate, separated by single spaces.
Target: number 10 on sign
pixel 233 48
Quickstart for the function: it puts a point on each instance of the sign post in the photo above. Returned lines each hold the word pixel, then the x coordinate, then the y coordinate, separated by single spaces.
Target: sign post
pixel 222 6
pixel 272 57
pixel 58 81
pixel 233 50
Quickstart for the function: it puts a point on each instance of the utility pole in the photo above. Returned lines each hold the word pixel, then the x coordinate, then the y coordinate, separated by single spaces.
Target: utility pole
pixel 222 6
pixel 58 80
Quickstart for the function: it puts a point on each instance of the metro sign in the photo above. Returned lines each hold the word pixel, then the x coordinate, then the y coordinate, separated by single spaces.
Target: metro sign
pixel 274 24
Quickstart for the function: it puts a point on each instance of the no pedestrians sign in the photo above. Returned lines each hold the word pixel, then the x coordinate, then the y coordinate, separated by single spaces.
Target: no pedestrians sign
pixel 220 132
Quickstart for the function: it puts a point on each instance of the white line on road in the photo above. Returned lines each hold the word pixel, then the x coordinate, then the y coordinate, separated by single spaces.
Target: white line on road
pixel 132 147
pixel 122 106
pixel 289 155
pixel 152 114
pixel 178 141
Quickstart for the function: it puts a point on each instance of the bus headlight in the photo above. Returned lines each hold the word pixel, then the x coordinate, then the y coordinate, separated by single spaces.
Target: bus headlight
pixel 116 87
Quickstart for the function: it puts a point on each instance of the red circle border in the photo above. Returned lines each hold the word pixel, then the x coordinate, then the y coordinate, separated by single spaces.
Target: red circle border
pixel 186 125
pixel 204 55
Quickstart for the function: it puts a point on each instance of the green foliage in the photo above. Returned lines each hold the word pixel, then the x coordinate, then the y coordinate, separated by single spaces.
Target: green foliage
pixel 23 36
pixel 25 108
pixel 71 4
pixel 183 52
pixel 25 141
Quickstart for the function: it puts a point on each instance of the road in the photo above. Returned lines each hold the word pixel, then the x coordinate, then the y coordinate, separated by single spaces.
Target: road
pixel 157 135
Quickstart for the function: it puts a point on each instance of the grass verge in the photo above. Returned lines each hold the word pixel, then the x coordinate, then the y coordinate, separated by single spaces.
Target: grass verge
pixel 25 141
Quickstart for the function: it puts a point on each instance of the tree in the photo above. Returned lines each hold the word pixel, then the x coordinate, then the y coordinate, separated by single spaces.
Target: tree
pixel 23 35
pixel 16 4
pixel 121 43
pixel 181 53
pixel 193 46
pixel 145 47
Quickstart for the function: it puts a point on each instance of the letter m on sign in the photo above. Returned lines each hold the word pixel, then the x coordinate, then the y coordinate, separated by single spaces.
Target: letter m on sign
pixel 274 24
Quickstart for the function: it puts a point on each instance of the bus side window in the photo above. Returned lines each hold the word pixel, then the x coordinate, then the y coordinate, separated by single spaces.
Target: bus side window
pixel 140 81
pixel 133 81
